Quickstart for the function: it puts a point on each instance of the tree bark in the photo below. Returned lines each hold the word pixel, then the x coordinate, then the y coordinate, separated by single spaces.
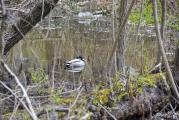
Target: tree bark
pixel 114 65
pixel 121 37
pixel 176 71
pixel 2 43
pixel 25 21
pixel 177 59
pixel 163 3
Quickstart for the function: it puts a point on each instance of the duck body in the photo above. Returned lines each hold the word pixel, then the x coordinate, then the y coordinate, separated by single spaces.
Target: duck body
pixel 75 65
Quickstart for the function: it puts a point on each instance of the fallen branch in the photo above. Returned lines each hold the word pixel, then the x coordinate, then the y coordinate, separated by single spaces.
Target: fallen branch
pixel 165 116
pixel 22 102
pixel 7 69
pixel 111 115
pixel 57 109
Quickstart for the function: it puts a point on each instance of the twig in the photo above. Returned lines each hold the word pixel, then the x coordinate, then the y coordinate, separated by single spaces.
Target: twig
pixel 53 67
pixel 173 112
pixel 154 68
pixel 14 111
pixel 74 103
pixel 33 115
pixel 77 97
pixel 108 112
pixel 42 10
pixel 26 108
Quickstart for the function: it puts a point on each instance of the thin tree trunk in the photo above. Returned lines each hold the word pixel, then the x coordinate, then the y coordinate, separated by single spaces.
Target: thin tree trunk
pixel 163 51
pixel 122 25
pixel 121 37
pixel 2 41
pixel 177 59
pixel 114 67
pixel 142 41
pixel 163 3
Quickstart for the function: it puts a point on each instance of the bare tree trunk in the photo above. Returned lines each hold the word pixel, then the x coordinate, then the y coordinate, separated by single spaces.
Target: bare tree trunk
pixel 2 42
pixel 121 37
pixel 177 59
pixel 163 51
pixel 139 37
pixel 114 65
pixel 0 114
pixel 176 75
pixel 121 26
pixel 163 3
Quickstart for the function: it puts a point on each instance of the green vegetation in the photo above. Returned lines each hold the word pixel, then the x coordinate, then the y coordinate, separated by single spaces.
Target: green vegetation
pixel 173 23
pixel 135 87
pixel 101 96
pixel 63 35
pixel 148 17
pixel 38 75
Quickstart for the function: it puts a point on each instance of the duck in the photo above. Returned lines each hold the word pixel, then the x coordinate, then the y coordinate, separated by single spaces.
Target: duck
pixel 75 65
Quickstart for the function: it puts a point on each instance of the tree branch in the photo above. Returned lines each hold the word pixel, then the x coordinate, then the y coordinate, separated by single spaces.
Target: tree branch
pixel 33 115
pixel 26 21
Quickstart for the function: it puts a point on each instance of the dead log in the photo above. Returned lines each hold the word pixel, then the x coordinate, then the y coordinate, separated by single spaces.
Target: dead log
pixel 149 102
pixel 22 21
pixel 166 116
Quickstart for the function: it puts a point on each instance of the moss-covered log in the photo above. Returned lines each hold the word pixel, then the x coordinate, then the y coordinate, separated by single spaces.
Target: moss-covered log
pixel 149 102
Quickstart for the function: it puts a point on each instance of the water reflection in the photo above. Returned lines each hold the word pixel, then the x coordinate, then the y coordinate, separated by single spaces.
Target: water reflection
pixel 76 69
pixel 94 41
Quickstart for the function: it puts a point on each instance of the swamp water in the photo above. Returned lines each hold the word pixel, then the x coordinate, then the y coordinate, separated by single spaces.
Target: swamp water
pixel 47 49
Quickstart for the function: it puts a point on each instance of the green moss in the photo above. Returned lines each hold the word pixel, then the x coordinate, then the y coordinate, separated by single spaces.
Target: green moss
pixel 38 75
pixel 103 96
pixel 147 80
